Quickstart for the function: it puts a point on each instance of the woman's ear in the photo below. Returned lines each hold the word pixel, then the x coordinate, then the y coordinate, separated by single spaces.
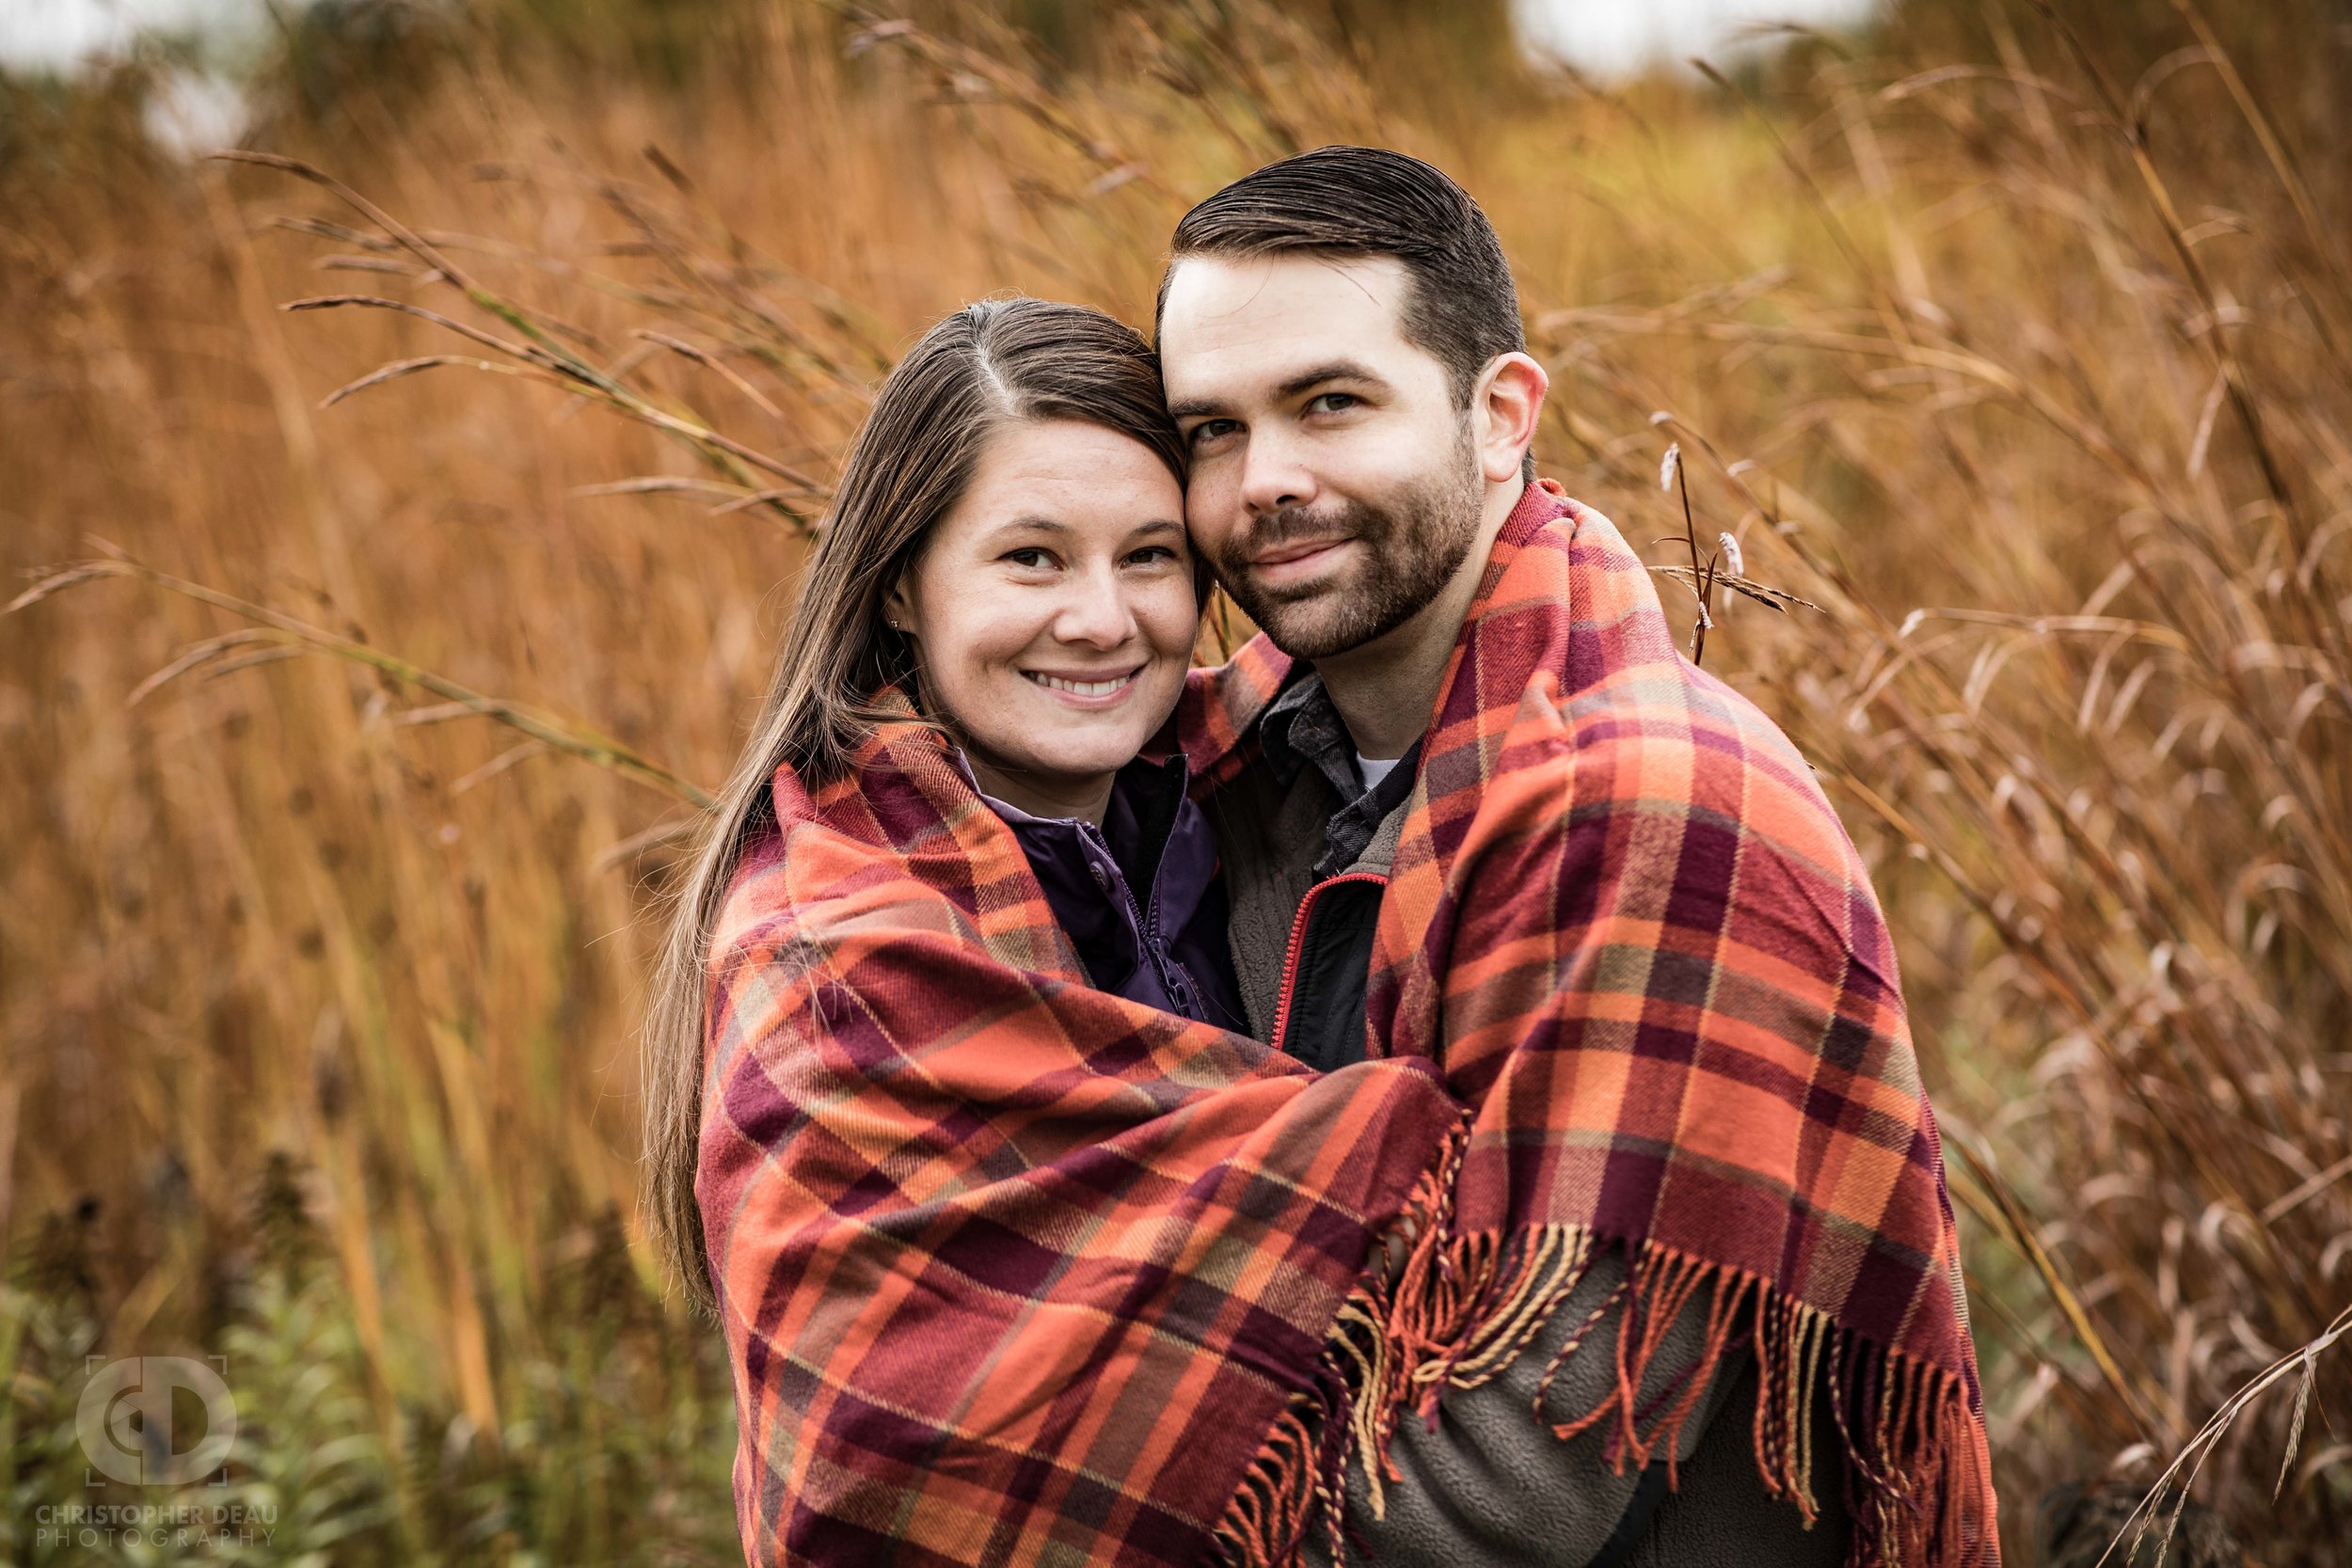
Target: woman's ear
pixel 897 611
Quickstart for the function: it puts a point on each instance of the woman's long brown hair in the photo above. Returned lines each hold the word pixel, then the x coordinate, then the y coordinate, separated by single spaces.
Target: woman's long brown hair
pixel 989 363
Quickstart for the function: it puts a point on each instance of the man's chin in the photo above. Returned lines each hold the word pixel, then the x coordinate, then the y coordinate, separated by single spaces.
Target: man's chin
pixel 1312 630
pixel 1296 620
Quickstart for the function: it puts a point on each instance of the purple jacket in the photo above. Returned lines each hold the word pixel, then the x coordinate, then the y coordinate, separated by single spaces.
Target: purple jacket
pixel 1164 947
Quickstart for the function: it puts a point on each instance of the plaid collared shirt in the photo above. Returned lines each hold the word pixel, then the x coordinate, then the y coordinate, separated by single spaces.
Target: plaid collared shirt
pixel 1302 726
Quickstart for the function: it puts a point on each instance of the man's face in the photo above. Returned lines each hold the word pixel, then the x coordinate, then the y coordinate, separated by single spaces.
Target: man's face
pixel 1335 486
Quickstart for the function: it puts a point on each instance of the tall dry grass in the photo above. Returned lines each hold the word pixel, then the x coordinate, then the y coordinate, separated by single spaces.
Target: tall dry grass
pixel 2020 351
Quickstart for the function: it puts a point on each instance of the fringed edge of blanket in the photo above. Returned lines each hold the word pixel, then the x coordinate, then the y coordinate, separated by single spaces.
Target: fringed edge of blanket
pixel 1915 1467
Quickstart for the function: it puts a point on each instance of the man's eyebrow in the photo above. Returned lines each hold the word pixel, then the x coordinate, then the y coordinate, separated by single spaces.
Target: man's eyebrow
pixel 1336 370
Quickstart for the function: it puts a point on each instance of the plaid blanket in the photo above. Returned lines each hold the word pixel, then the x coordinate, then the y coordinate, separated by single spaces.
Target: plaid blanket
pixel 1011 1271
pixel 1015 1271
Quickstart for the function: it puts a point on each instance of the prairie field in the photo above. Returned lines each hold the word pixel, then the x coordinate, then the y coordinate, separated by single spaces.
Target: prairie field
pixel 404 509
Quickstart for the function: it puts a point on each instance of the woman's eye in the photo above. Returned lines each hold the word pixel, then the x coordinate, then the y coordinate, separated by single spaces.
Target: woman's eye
pixel 1153 555
pixel 1033 556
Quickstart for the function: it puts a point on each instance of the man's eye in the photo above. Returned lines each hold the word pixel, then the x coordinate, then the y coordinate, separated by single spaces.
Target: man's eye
pixel 1210 430
pixel 1332 403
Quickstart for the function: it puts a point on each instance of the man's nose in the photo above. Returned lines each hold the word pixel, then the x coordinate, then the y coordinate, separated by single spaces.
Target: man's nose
pixel 1096 613
pixel 1274 475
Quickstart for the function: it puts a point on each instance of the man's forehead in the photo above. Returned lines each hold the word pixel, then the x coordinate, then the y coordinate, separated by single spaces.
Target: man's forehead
pixel 1247 316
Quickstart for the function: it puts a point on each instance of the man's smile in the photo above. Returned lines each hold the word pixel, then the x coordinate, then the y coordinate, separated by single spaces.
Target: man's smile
pixel 1295 560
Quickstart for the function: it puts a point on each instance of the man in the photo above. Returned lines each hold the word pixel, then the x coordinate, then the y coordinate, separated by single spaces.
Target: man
pixel 1340 343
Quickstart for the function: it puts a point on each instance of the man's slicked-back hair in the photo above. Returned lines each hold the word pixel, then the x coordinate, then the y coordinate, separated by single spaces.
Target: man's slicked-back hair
pixel 1461 307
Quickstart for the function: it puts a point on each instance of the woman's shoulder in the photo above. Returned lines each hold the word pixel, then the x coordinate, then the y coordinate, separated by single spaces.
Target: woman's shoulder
pixel 902 845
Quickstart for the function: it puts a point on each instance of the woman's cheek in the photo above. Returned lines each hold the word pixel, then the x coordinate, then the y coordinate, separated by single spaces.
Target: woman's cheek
pixel 1174 620
pixel 988 633
pixel 975 660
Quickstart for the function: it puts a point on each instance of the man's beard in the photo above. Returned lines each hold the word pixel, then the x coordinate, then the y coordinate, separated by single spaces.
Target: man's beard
pixel 1413 544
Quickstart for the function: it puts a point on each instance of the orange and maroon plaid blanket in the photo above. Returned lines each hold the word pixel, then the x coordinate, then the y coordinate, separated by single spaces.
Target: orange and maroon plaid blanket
pixel 1011 1271
pixel 1016 1271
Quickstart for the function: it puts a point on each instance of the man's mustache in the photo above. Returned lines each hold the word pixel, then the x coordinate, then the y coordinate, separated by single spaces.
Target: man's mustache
pixel 1294 525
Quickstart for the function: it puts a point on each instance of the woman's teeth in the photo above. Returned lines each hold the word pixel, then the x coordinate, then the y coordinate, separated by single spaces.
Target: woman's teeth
pixel 1082 689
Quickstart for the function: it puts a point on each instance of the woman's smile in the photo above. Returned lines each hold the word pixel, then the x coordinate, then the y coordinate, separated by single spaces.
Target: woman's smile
pixel 1089 690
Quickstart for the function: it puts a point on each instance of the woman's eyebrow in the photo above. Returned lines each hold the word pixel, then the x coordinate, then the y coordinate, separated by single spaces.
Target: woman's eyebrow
pixel 1157 525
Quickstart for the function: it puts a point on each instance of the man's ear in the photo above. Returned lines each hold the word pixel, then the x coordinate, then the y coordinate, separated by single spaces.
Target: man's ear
pixel 1506 402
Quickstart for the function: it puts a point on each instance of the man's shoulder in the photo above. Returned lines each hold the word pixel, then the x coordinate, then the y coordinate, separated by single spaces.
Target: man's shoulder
pixel 1659 739
pixel 1617 677
pixel 1675 703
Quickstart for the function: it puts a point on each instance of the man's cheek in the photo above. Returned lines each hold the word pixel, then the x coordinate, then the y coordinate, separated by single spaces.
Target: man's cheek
pixel 1208 516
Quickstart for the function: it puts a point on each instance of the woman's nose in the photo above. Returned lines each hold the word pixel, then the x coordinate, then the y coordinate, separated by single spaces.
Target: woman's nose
pixel 1096 613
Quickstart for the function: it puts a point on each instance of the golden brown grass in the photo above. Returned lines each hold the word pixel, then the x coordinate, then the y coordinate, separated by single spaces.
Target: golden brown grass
pixel 2023 358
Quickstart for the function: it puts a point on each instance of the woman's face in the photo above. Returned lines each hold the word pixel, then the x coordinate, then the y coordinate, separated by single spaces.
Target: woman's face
pixel 1053 614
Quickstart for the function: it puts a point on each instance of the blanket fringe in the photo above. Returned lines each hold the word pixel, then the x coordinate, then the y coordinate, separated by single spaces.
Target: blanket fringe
pixel 1464 1307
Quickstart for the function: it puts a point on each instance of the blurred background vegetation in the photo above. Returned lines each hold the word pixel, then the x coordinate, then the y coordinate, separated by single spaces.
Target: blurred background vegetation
pixel 2016 340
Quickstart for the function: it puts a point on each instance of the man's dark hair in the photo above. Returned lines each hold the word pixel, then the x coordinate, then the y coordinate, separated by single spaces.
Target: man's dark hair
pixel 1461 307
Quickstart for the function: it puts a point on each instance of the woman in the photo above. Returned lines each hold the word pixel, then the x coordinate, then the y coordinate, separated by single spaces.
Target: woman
pixel 1017 1252
pixel 1047 622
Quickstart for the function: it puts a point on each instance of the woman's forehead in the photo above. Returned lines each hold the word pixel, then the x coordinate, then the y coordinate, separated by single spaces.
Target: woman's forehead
pixel 1070 478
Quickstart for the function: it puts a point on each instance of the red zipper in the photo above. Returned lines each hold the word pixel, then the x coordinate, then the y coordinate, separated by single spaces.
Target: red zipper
pixel 1298 939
